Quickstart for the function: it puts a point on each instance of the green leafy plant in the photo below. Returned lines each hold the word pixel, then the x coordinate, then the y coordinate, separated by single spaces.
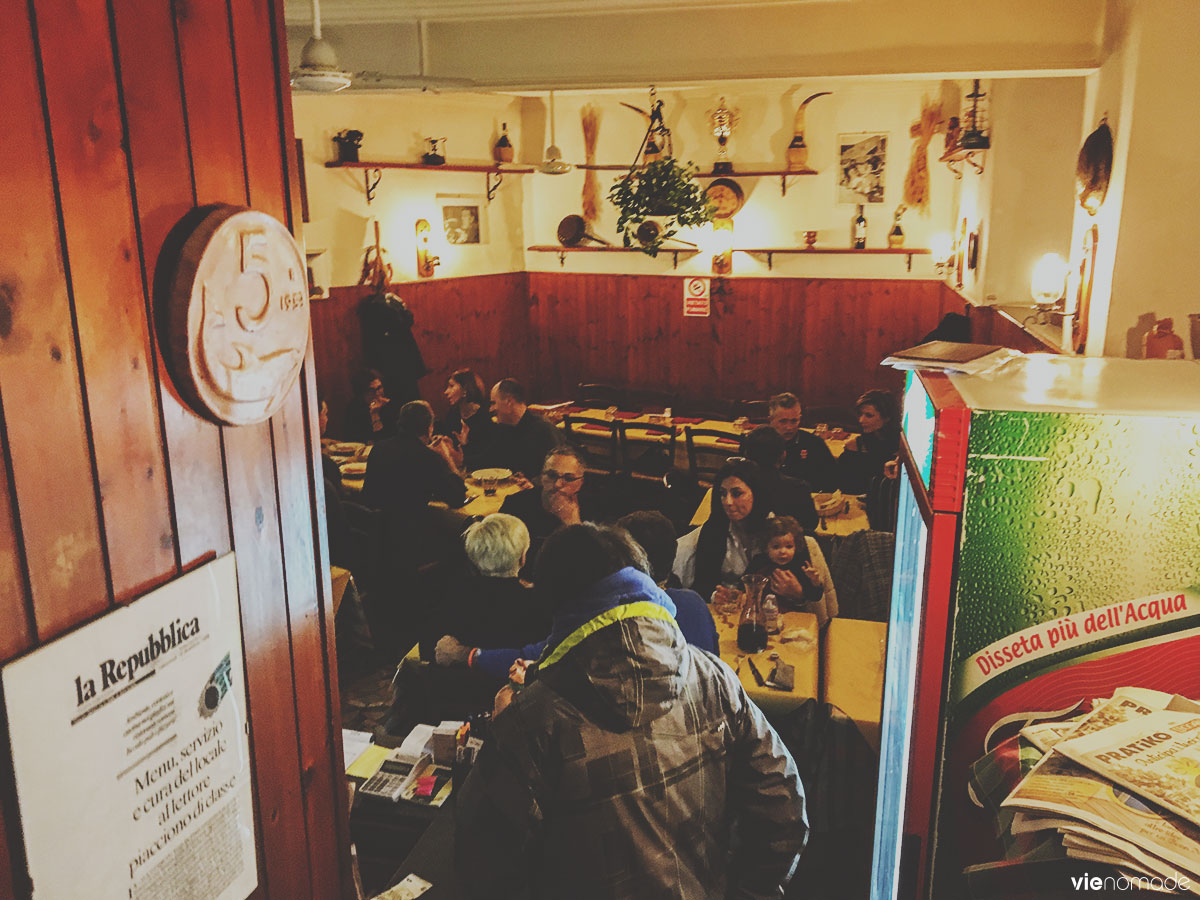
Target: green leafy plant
pixel 666 188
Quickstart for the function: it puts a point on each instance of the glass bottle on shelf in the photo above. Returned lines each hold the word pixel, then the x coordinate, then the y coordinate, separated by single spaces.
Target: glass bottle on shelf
pixel 896 235
pixel 503 151
pixel 752 627
pixel 858 230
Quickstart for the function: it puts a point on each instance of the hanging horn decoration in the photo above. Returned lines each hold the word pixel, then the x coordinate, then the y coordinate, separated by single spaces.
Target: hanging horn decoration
pixel 797 150
pixel 1093 169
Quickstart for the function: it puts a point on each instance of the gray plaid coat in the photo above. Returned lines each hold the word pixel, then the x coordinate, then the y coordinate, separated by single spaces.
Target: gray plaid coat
pixel 630 768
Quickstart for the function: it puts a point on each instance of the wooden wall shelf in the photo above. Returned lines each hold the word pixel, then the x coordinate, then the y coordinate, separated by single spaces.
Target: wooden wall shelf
pixel 563 251
pixel 910 252
pixel 783 174
pixel 373 172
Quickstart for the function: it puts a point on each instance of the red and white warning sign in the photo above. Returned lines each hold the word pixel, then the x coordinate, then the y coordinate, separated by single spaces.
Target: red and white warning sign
pixel 696 297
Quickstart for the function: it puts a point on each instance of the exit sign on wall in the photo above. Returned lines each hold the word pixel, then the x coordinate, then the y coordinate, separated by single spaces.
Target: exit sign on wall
pixel 696 297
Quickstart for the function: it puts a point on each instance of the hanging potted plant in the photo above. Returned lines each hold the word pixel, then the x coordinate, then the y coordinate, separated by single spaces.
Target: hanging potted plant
pixel 657 200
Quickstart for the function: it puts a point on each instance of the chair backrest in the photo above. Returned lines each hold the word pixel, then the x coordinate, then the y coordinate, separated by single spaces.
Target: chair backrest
pixel 367 535
pixel 597 440
pixel 648 400
pixel 711 408
pixel 707 450
pixel 757 411
pixel 647 450
pixel 601 396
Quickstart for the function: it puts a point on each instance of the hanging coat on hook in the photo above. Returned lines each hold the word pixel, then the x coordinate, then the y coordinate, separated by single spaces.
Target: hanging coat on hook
pixel 390 347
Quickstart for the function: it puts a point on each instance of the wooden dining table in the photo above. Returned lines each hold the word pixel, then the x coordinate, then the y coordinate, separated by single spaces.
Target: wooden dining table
pixel 796 644
pixel 479 502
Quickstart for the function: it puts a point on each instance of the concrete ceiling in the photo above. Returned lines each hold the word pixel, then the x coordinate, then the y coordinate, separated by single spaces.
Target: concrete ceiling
pixel 523 45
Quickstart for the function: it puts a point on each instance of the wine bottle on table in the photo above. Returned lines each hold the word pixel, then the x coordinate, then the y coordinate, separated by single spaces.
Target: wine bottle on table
pixel 858 230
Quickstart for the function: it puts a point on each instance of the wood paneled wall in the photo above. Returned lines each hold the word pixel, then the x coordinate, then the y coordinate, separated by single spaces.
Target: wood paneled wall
pixel 481 322
pixel 118 118
pixel 822 338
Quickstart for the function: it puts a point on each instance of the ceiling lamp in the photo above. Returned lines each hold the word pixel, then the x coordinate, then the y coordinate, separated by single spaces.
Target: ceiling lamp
pixel 318 71
pixel 553 163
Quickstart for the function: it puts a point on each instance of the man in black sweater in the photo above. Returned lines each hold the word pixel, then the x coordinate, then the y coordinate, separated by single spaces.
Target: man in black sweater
pixel 406 472
pixel 522 437
pixel 805 455
pixel 788 496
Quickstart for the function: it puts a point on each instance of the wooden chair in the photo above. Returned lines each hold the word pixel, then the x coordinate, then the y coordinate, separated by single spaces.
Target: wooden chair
pixel 757 411
pixel 597 439
pixel 601 396
pixel 702 470
pixel 648 400
pixel 651 457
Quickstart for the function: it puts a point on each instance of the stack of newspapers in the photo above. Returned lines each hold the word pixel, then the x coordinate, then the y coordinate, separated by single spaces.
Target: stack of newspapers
pixel 1119 785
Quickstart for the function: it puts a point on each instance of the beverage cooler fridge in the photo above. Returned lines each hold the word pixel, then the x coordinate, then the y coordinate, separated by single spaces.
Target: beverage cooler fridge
pixel 1047 552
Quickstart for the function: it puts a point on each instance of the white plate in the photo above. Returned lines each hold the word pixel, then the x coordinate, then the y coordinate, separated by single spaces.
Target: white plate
pixel 491 474
pixel 354 469
pixel 344 449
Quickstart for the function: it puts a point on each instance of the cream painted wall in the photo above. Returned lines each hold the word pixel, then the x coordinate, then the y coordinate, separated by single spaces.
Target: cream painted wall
pixel 527 208
pixel 1027 191
pixel 395 127
pixel 1156 271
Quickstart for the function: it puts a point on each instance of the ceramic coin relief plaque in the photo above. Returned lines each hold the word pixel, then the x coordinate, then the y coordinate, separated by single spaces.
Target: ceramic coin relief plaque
pixel 236 313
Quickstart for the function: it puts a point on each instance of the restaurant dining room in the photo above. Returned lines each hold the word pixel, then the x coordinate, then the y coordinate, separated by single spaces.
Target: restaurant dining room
pixel 628 450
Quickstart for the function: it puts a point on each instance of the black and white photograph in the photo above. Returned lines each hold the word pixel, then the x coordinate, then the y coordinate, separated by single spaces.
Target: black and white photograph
pixel 463 219
pixel 863 168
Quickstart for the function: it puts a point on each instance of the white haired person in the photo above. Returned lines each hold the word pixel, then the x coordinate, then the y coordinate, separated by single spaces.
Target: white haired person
pixel 492 607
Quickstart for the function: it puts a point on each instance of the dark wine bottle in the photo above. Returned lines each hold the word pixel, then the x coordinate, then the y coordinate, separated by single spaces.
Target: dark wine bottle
pixel 858 230
pixel 503 151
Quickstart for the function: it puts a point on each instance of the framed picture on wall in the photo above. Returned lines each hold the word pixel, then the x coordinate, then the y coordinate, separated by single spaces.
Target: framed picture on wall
pixel 862 168
pixel 464 218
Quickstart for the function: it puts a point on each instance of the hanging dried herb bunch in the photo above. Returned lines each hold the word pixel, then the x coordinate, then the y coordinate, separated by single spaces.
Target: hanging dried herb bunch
pixel 663 188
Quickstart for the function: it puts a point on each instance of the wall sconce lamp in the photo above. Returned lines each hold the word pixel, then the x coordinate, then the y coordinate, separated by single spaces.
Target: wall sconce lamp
pixel 426 261
pixel 722 261
pixel 941 248
pixel 1048 286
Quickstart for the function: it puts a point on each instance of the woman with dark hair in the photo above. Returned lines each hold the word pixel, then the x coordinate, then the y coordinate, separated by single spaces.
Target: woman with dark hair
pixel 371 415
pixel 718 553
pixel 468 420
pixel 865 456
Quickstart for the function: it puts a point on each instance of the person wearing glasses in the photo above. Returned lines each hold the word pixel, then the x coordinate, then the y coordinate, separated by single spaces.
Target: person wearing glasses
pixel 555 500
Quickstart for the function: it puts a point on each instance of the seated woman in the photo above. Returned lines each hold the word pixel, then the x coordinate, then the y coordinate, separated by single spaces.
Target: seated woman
pixel 712 559
pixel 865 456
pixel 492 607
pixel 468 420
pixel 371 415
pixel 800 578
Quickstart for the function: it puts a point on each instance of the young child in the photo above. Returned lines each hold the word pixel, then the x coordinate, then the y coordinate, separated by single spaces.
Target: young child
pixel 789 550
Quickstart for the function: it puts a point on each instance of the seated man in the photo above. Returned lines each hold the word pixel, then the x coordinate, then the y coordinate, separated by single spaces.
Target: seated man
pixel 805 455
pixel 371 415
pixel 629 759
pixel 558 499
pixel 492 607
pixel 407 471
pixel 521 438
pixel 788 496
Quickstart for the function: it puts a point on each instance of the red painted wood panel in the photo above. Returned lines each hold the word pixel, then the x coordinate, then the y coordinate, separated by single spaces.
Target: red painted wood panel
pixel 109 299
pixel 158 148
pixel 266 164
pixel 49 450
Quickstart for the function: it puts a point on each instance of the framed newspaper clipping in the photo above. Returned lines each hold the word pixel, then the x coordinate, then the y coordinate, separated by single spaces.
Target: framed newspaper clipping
pixel 131 749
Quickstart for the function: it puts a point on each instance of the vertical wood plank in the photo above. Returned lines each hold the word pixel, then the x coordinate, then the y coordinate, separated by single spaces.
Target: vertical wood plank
pixel 266 161
pixel 109 299
pixel 50 456
pixel 215 130
pixel 158 148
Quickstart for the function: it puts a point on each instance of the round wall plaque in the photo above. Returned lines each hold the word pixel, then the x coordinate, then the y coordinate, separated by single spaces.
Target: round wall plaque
pixel 236 312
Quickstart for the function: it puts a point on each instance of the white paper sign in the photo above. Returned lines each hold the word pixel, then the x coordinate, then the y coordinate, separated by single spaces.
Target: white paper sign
pixel 131 751
pixel 696 297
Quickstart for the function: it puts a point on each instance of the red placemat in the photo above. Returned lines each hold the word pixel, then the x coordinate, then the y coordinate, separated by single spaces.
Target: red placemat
pixel 686 420
pixel 627 415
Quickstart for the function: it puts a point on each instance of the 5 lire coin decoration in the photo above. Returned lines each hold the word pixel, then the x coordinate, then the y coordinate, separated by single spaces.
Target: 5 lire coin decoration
pixel 233 293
